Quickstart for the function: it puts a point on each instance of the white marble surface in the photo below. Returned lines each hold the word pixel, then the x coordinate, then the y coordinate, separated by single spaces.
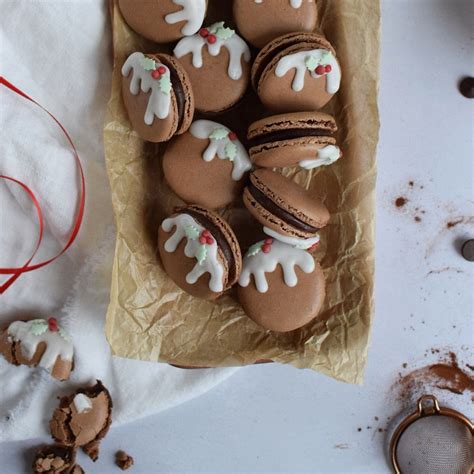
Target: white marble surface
pixel 277 419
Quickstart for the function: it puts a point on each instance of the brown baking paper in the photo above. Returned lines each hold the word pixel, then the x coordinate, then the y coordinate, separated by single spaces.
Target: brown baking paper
pixel 150 318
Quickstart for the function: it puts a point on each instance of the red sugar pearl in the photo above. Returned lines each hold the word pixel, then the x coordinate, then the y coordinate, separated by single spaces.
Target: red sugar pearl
pixel 206 233
pixel 269 241
pixel 266 248
pixel 204 32
pixel 320 70
pixel 328 68
pixel 232 136
pixel 212 39
pixel 202 240
pixel 155 74
pixel 209 240
pixel 52 324
pixel 162 70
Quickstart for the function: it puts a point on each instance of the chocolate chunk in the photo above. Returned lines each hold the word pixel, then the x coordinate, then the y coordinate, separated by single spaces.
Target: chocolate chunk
pixel 468 250
pixel 123 460
pixel 466 87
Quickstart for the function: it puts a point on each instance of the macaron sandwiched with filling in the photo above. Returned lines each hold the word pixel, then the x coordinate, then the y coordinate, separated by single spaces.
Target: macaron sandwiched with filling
pixel 288 212
pixel 260 21
pixel 217 61
pixel 199 252
pixel 207 165
pixel 281 287
pixel 164 21
pixel 296 72
pixel 157 95
pixel 296 139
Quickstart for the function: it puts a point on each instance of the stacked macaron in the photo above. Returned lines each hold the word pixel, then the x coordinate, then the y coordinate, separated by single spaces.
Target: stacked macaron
pixel 294 72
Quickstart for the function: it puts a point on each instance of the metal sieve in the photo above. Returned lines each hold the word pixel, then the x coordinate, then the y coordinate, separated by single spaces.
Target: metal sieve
pixel 433 440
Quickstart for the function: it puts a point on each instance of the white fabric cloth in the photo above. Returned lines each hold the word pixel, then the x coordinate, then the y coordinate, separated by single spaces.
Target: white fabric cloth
pixel 59 52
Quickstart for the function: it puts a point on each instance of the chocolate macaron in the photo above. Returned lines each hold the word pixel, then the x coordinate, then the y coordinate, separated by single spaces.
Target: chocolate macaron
pixel 164 21
pixel 217 61
pixel 281 287
pixel 260 21
pixel 199 252
pixel 296 72
pixel 287 211
pixel 206 165
pixel 158 96
pixel 296 139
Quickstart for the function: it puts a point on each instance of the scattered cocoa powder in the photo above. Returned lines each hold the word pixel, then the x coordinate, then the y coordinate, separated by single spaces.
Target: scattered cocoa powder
pixel 411 183
pixel 417 219
pixel 451 224
pixel 342 446
pixel 400 201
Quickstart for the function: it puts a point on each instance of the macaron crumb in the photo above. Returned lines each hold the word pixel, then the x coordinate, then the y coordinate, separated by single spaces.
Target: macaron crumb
pixel 123 460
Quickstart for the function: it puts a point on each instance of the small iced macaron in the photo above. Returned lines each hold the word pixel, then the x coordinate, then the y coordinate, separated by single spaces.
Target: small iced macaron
pixel 206 165
pixel 199 252
pixel 287 211
pixel 260 21
pixel 217 61
pixel 296 72
pixel 158 96
pixel 281 287
pixel 296 139
pixel 164 21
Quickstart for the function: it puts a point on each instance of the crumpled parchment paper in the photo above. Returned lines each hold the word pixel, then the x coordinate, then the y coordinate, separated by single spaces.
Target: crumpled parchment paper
pixel 150 318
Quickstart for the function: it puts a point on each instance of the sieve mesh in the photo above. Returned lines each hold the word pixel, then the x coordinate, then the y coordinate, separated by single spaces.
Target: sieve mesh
pixel 436 445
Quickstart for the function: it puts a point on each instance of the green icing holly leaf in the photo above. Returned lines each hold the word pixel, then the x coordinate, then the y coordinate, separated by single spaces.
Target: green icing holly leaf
pixel 231 151
pixel 191 232
pixel 215 27
pixel 254 249
pixel 311 63
pixel 165 84
pixel 201 254
pixel 64 334
pixel 148 64
pixel 219 134
pixel 325 57
pixel 225 33
pixel 38 327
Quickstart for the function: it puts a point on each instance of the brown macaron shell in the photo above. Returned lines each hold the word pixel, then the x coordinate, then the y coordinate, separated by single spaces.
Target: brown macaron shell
pixel 214 90
pixel 286 208
pixel 277 93
pixel 55 459
pixel 179 118
pixel 260 23
pixel 177 265
pixel 147 18
pixel 71 428
pixel 283 308
pixel 285 140
pixel 196 181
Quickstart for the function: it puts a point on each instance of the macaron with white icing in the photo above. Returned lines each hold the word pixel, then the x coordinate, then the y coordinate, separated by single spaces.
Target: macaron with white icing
pixel 157 95
pixel 199 252
pixel 39 342
pixel 207 165
pixel 296 72
pixel 260 21
pixel 281 287
pixel 302 139
pixel 164 21
pixel 217 61
pixel 287 211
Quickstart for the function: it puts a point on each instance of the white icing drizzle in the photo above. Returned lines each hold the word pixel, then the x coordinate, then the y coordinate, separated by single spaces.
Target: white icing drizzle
pixel 82 403
pixel 211 264
pixel 241 162
pixel 235 45
pixel 280 254
pixel 293 3
pixel 298 61
pixel 326 156
pixel 192 13
pixel 293 241
pixel 159 103
pixel 57 343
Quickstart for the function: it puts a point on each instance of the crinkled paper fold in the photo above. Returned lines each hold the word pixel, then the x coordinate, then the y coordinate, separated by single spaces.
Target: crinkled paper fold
pixel 150 318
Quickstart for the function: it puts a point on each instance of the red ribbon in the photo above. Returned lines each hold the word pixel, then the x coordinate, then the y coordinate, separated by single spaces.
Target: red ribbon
pixel 18 271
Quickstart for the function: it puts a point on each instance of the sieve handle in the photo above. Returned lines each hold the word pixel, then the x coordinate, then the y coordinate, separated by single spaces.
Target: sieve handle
pixel 428 405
